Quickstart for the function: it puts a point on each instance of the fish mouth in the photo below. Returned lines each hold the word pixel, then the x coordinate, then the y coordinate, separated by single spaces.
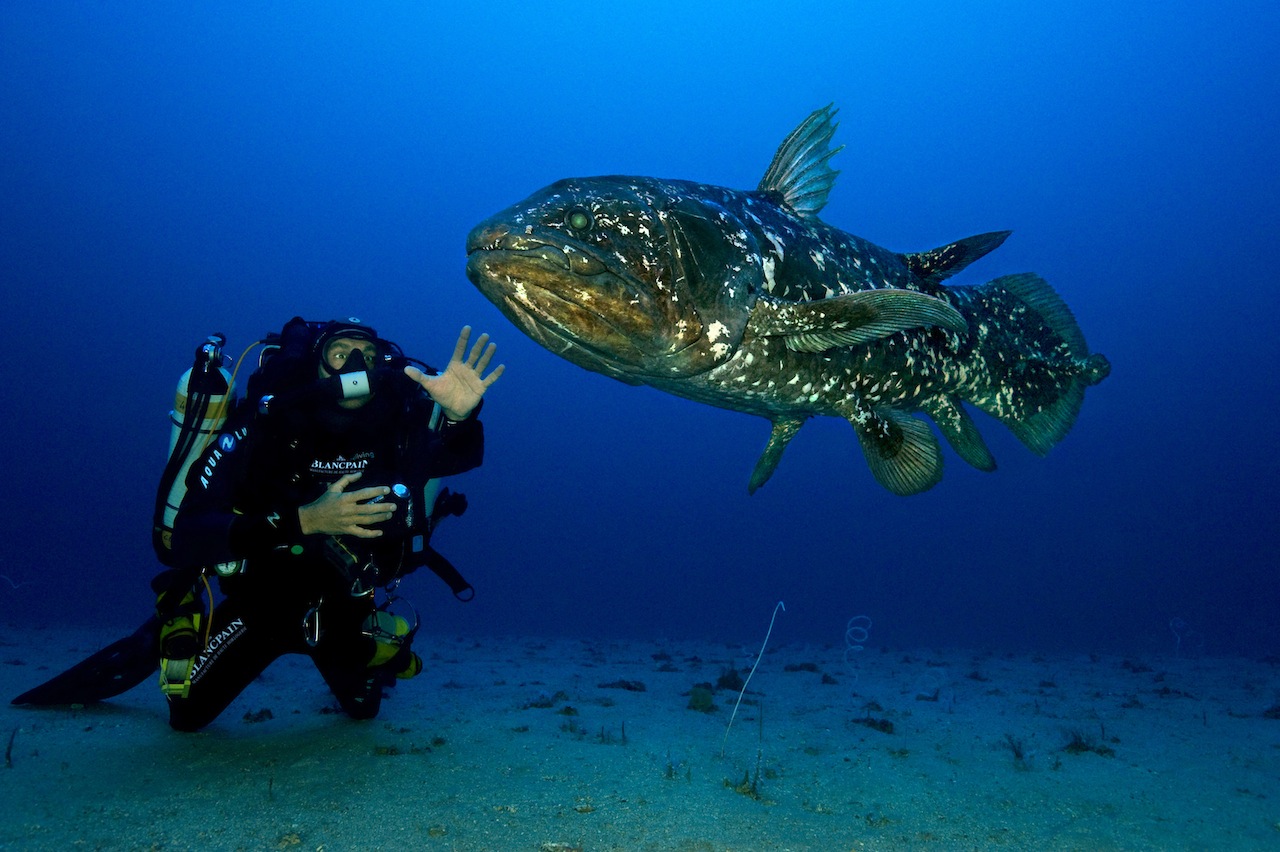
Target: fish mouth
pixel 566 298
pixel 500 238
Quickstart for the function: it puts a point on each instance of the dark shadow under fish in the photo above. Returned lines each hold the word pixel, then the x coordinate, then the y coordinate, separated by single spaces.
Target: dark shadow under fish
pixel 746 300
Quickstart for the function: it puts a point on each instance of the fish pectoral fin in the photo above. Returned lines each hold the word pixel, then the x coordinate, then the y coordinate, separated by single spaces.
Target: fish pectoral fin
pixel 783 431
pixel 853 319
pixel 901 451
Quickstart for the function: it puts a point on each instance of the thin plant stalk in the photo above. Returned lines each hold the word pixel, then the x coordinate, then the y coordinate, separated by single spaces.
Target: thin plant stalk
pixel 743 691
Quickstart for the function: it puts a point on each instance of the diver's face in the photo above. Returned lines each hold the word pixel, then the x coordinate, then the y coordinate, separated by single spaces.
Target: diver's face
pixel 339 351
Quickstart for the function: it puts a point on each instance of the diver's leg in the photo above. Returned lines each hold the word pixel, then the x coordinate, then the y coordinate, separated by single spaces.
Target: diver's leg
pixel 237 652
pixel 343 657
pixel 358 689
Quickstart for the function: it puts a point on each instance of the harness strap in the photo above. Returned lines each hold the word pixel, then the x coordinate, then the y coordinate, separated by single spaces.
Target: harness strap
pixel 443 568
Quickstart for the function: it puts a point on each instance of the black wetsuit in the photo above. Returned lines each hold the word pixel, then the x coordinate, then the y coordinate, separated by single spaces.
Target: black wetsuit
pixel 242 504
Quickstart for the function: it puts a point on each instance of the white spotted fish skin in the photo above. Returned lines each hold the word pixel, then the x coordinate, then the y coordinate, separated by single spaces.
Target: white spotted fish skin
pixel 746 300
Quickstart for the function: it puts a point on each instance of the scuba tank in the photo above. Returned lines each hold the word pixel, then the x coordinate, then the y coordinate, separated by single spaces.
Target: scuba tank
pixel 199 412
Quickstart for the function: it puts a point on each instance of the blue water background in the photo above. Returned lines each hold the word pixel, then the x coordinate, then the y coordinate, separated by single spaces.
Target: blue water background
pixel 172 169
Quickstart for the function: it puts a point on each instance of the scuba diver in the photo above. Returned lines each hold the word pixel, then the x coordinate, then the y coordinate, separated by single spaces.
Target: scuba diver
pixel 314 496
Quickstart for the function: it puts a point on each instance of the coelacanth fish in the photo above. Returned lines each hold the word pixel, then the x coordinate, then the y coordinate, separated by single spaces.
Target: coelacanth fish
pixel 748 301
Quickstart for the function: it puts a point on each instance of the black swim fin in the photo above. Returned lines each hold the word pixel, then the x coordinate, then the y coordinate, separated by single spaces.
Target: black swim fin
pixel 117 668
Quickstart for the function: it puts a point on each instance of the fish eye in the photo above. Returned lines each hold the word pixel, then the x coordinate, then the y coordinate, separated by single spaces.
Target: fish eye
pixel 578 218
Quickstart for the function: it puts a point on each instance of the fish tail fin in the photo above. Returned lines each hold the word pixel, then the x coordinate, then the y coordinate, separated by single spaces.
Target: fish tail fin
pixel 1036 357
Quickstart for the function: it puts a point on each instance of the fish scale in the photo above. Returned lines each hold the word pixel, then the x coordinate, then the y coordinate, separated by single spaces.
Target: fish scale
pixel 747 300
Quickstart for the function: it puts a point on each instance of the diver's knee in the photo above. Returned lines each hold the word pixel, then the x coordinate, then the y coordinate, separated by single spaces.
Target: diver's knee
pixel 181 719
pixel 186 726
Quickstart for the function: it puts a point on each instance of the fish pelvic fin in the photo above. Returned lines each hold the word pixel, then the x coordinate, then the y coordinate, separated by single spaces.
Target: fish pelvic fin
pixel 851 319
pixel 1039 386
pixel 939 264
pixel 801 170
pixel 961 432
pixel 783 431
pixel 901 451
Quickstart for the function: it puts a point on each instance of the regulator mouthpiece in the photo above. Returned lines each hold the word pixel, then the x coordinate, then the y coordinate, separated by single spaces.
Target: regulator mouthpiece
pixel 354 379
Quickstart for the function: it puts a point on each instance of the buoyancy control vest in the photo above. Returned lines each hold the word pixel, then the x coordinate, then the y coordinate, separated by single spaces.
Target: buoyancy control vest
pixel 283 385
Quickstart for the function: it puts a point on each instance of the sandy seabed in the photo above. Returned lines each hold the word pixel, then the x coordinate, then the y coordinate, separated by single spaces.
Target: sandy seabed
pixel 568 744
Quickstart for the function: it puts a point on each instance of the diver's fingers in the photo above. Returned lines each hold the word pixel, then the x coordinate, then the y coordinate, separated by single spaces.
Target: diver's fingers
pixel 357 513
pixel 485 356
pixel 374 513
pixel 345 480
pixel 493 377
pixel 460 348
pixel 369 493
pixel 477 350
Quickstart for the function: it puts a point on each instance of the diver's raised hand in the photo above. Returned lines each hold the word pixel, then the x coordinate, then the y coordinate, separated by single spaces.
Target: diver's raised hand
pixel 459 388
pixel 341 512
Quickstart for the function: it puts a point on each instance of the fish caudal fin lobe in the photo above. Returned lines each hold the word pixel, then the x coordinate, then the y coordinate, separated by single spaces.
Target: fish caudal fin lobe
pixel 901 451
pixel 1037 358
pixel 783 431
pixel 851 319
pixel 801 170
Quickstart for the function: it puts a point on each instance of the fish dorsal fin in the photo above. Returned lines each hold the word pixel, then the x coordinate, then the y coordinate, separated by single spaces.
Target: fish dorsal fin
pixel 800 171
pixel 852 319
pixel 941 263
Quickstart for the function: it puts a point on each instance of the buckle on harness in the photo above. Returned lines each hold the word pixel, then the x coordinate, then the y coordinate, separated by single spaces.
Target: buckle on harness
pixel 361 573
pixel 311 625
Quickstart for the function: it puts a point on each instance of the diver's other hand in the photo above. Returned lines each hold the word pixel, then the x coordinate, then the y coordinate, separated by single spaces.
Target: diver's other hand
pixel 341 512
pixel 459 388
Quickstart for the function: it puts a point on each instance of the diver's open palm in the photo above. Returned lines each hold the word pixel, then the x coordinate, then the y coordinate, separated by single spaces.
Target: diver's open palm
pixel 460 387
